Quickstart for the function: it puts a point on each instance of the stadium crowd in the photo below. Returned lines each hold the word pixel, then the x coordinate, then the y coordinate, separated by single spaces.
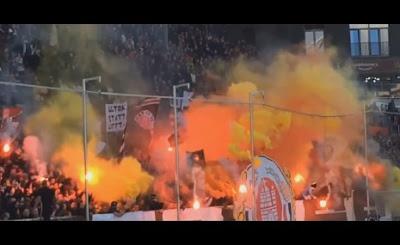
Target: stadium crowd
pixel 184 54
pixel 387 121
pixel 20 187
pixel 20 51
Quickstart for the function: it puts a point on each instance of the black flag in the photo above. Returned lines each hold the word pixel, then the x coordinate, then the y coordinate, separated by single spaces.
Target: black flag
pixel 196 158
pixel 140 125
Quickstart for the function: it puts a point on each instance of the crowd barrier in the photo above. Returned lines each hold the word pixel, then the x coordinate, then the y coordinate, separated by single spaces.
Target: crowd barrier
pixel 189 214
pixel 64 218
pixel 201 214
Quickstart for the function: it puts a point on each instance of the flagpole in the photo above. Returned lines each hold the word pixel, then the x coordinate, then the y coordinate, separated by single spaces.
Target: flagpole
pixel 253 171
pixel 366 158
pixel 84 81
pixel 178 201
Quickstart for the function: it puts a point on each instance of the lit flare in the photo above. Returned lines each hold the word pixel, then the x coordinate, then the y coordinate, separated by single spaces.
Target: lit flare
pixel 243 188
pixel 89 176
pixel 196 204
pixel 323 203
pixel 298 178
pixel 6 148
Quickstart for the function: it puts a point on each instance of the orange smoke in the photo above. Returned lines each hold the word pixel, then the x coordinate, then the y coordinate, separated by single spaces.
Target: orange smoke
pixel 208 127
pixel 376 172
pixel 309 84
pixel 107 181
pixel 303 83
pixel 218 181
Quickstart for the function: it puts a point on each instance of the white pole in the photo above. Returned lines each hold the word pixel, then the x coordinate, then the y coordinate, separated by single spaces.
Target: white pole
pixel 366 157
pixel 178 200
pixel 85 140
pixel 252 156
pixel 251 111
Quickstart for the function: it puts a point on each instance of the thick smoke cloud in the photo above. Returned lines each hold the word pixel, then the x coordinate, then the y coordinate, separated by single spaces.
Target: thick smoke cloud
pixel 108 180
pixel 58 126
pixel 309 83
pixel 304 83
pixel 77 52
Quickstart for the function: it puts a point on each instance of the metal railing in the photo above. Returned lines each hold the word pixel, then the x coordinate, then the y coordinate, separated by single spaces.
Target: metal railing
pixel 62 218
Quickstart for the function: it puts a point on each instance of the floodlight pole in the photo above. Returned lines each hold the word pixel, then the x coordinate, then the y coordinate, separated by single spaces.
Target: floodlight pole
pixel 178 200
pixel 84 98
pixel 251 112
pixel 366 158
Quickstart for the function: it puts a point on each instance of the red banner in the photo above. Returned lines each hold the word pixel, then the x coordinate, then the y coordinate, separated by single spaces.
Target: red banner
pixel 10 112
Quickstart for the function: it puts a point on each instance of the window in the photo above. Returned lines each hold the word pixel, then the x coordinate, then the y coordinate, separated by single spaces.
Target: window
pixel 355 42
pixel 314 39
pixel 369 39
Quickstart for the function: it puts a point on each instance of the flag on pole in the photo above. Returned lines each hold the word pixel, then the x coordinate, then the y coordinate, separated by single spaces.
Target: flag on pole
pixel 11 112
pixel 122 148
pixel 183 103
pixel 9 123
pixel 139 129
pixel 146 113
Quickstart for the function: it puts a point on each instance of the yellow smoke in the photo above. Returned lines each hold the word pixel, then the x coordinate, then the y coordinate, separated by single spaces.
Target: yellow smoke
pixel 59 126
pixel 396 177
pixel 241 90
pixel 61 117
pixel 108 181
pixel 303 83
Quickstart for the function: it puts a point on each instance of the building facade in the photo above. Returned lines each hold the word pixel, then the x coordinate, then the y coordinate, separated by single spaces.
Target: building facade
pixel 371 48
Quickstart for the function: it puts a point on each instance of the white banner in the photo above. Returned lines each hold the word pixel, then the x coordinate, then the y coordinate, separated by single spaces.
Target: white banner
pixel 116 116
pixel 131 216
pixel 300 211
pixel 190 214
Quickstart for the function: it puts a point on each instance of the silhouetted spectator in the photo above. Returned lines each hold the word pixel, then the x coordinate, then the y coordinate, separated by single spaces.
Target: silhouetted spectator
pixel 47 198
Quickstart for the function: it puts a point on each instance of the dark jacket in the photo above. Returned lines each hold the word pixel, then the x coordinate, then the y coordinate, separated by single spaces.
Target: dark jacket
pixel 48 197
